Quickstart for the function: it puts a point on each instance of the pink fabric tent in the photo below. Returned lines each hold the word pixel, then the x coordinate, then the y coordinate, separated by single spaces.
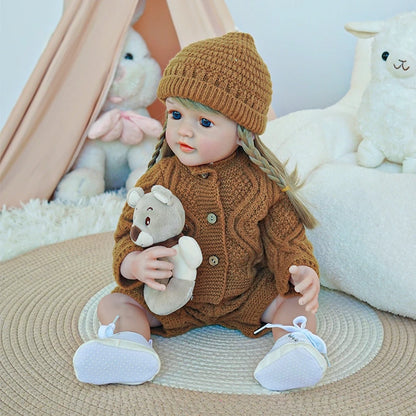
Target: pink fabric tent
pixel 49 123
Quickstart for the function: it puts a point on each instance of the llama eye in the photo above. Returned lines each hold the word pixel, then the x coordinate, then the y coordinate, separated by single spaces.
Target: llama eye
pixel 147 221
pixel 384 55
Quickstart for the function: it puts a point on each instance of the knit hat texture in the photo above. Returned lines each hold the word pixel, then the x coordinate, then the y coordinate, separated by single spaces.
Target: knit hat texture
pixel 225 73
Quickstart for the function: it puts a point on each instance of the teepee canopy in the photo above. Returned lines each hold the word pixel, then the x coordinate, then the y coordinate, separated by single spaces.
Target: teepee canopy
pixel 63 96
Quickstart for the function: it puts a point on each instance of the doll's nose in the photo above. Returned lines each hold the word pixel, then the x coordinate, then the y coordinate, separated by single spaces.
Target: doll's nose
pixel 185 130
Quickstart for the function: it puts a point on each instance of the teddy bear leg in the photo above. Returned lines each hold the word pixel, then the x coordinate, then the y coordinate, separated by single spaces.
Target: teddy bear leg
pixel 409 165
pixel 86 178
pixel 369 155
pixel 178 292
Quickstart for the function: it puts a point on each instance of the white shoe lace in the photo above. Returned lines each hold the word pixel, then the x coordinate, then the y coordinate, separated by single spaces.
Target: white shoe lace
pixel 299 325
pixel 106 331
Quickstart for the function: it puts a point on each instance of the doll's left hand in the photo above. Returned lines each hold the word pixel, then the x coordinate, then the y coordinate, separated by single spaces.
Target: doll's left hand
pixel 306 282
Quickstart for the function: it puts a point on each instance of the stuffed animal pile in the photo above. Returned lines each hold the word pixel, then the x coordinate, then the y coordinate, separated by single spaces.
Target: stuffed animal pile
pixel 159 219
pixel 387 114
pixel 121 141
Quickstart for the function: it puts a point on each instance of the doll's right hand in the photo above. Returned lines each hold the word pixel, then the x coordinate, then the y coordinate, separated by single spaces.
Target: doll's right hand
pixel 146 266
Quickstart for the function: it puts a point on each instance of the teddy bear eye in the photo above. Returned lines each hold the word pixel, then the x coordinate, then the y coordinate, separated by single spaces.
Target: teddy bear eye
pixel 384 55
pixel 147 221
pixel 128 56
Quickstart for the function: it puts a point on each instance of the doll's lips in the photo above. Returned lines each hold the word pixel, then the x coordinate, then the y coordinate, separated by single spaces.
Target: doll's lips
pixel 186 148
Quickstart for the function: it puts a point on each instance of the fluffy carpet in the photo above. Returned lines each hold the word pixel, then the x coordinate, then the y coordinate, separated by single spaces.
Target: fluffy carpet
pixel 47 308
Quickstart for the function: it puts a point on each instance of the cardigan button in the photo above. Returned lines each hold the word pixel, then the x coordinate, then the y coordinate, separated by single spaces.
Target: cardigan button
pixel 211 218
pixel 213 260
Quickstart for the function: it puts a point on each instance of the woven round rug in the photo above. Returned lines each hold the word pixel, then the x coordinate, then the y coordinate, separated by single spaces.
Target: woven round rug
pixel 47 309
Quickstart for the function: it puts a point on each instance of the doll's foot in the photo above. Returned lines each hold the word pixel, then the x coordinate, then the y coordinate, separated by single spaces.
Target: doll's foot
pixel 295 361
pixel 125 358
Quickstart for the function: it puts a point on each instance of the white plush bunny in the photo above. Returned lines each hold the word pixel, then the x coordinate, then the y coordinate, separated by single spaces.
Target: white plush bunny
pixel 387 114
pixel 121 141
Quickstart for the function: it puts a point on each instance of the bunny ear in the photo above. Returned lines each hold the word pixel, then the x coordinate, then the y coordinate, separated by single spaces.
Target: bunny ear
pixel 141 4
pixel 163 194
pixel 364 29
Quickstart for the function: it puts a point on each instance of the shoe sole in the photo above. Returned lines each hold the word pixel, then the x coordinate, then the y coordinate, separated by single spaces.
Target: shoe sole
pixel 292 366
pixel 115 361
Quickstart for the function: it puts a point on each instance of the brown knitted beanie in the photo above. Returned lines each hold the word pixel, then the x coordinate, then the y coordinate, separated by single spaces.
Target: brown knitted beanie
pixel 225 73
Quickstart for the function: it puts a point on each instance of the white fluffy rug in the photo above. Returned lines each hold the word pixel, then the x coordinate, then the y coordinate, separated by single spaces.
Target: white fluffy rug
pixel 38 222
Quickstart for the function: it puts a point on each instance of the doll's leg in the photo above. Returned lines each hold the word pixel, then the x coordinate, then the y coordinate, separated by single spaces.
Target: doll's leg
pixel 283 311
pixel 296 359
pixel 123 353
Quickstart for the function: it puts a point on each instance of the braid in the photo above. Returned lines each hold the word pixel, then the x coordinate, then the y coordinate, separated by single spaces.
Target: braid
pixel 255 156
pixel 157 151
pixel 262 157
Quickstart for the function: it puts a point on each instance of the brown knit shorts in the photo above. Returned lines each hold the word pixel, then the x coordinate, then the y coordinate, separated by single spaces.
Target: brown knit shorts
pixel 242 312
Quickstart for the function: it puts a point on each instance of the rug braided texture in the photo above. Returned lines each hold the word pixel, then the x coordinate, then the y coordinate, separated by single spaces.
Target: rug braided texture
pixel 43 301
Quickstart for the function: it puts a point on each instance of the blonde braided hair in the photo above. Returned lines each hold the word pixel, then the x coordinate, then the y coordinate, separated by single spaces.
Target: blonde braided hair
pixel 262 157
pixel 259 154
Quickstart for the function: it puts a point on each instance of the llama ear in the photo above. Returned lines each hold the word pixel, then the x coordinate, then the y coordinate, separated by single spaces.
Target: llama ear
pixel 364 29
pixel 162 194
pixel 134 195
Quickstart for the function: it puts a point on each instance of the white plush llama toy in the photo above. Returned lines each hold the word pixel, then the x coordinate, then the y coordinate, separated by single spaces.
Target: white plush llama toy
pixel 387 114
pixel 121 141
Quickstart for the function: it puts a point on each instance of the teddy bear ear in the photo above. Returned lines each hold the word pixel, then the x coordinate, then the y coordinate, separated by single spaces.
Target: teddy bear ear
pixel 134 195
pixel 163 194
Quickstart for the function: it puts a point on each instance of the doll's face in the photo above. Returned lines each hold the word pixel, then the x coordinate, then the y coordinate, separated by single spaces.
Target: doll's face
pixel 199 137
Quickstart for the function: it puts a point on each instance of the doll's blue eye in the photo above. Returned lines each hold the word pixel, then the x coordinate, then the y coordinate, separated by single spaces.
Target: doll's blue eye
pixel 128 56
pixel 205 122
pixel 176 115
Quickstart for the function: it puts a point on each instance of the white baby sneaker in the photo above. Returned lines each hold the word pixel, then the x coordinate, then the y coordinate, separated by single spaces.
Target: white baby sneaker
pixel 295 361
pixel 125 358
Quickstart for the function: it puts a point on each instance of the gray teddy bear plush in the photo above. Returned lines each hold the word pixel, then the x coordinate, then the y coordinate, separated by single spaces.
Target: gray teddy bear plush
pixel 158 219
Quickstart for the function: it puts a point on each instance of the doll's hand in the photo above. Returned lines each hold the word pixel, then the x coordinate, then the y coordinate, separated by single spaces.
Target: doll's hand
pixel 306 282
pixel 146 266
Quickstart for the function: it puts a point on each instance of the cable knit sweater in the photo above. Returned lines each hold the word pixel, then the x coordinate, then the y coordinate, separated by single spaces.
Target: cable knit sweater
pixel 245 225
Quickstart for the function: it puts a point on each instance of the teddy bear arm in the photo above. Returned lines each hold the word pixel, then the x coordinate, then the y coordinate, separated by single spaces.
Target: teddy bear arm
pixel 190 252
pixel 138 158
pixel 177 294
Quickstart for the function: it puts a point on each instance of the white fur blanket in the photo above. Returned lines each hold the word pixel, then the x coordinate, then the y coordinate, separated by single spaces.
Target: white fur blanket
pixel 39 223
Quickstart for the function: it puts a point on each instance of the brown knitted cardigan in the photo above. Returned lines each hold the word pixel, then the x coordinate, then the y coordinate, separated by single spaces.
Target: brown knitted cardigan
pixel 254 230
